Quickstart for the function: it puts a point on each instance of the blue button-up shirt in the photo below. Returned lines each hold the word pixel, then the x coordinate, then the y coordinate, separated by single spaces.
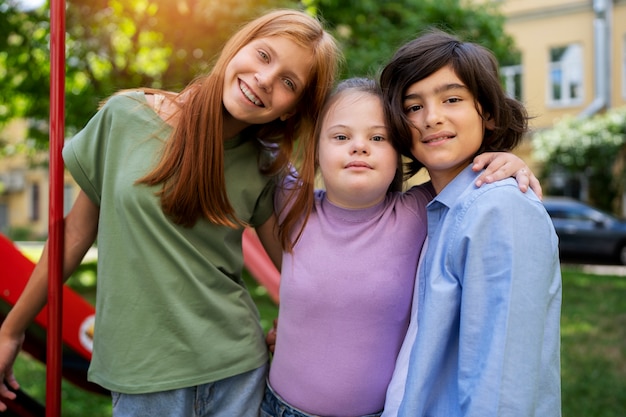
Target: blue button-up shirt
pixel 486 341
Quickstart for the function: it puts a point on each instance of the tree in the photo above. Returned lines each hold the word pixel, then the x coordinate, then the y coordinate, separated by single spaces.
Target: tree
pixel 24 62
pixel 115 44
pixel 371 30
pixel 110 45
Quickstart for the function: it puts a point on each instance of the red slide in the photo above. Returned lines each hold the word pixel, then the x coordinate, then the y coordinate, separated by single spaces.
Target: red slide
pixel 78 314
pixel 259 264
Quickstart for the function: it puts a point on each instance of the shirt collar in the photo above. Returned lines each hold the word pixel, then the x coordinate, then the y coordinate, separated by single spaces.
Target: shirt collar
pixel 456 187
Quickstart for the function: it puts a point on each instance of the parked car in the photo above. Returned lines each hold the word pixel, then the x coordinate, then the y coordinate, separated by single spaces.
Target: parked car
pixel 585 231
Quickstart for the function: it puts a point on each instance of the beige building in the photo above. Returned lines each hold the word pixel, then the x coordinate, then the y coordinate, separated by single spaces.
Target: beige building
pixel 573 55
pixel 573 62
pixel 24 187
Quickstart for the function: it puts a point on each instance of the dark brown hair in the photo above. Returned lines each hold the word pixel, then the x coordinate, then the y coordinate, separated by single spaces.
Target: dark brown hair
pixel 475 65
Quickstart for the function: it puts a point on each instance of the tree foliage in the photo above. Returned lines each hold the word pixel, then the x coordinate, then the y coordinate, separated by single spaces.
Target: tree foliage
pixel 110 45
pixel 594 147
pixel 116 44
pixel 371 30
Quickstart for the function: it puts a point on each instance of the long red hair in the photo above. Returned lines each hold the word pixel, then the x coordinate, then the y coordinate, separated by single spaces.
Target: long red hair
pixel 191 168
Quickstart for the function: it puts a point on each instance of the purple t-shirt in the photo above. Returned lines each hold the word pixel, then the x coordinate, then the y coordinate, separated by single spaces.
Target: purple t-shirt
pixel 345 298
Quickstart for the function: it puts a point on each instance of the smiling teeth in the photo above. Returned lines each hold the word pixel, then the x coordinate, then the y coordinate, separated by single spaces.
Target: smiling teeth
pixel 250 95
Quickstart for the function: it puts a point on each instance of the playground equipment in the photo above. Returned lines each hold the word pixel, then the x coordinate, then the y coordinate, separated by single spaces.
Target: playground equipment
pixel 56 335
pixel 78 316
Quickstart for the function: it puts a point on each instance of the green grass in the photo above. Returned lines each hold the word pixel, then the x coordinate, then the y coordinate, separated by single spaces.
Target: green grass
pixel 593 328
pixel 593 345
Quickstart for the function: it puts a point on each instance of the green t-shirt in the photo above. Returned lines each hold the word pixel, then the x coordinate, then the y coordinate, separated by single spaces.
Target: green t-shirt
pixel 171 310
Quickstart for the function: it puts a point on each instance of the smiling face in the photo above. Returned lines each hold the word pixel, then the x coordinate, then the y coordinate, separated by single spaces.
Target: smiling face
pixel 356 159
pixel 265 80
pixel 447 126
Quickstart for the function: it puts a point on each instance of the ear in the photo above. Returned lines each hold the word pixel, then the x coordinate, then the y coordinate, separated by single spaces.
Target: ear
pixel 490 124
pixel 287 115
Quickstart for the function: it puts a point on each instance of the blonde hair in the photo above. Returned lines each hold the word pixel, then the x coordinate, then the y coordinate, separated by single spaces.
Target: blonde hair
pixel 191 169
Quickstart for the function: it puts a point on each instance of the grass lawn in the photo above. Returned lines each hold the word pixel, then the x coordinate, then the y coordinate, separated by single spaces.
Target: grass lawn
pixel 593 355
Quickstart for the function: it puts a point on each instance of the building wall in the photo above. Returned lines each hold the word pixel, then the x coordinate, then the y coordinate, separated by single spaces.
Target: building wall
pixel 24 187
pixel 538 25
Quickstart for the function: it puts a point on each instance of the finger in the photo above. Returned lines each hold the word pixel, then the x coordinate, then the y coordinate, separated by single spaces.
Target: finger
pixel 489 162
pixel 5 392
pixel 492 174
pixel 536 186
pixel 523 179
pixel 12 381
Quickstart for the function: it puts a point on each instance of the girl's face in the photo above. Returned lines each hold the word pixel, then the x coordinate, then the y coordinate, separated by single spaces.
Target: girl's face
pixel 447 127
pixel 266 79
pixel 356 159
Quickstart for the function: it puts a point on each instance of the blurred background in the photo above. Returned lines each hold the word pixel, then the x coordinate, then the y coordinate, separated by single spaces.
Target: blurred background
pixel 564 59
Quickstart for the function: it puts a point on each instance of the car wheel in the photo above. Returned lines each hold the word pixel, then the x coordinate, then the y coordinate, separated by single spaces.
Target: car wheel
pixel 622 254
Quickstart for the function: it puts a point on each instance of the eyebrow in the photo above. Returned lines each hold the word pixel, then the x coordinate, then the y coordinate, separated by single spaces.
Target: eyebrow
pixel 439 90
pixel 343 126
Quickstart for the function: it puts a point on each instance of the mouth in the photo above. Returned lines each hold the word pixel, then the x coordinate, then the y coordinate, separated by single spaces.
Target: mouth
pixel 358 164
pixel 249 94
pixel 440 137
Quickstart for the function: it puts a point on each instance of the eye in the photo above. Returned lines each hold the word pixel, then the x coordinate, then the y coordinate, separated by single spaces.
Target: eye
pixel 378 138
pixel 340 137
pixel 454 100
pixel 264 56
pixel 290 84
pixel 412 108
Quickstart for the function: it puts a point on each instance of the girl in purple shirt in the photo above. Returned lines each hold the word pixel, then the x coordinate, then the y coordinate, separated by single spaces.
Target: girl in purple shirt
pixel 348 276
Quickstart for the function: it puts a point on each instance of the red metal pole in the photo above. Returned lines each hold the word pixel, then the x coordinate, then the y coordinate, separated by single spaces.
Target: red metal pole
pixel 54 356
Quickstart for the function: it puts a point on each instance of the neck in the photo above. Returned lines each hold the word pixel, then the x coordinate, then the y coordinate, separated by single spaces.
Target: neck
pixel 441 178
pixel 231 127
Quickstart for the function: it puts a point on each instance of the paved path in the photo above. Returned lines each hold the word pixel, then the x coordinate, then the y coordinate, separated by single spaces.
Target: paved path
pixel 618 270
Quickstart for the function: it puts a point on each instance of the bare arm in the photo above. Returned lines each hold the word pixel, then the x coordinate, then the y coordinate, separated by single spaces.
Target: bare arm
pixel 81 227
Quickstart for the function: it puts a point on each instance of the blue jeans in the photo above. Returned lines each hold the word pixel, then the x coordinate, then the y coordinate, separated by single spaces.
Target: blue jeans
pixel 274 406
pixel 237 396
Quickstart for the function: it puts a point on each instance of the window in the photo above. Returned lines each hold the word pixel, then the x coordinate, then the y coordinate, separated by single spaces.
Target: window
pixel 565 76
pixel 512 80
pixel 35 202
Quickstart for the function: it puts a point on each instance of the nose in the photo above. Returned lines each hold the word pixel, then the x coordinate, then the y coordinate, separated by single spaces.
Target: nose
pixel 359 146
pixel 264 81
pixel 432 115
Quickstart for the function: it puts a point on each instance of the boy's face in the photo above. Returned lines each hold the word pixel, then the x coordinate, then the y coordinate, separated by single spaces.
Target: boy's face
pixel 266 79
pixel 356 159
pixel 447 128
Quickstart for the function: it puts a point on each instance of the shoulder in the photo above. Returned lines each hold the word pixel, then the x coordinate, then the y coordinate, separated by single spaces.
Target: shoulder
pixel 126 98
pixel 422 192
pixel 412 202
pixel 503 199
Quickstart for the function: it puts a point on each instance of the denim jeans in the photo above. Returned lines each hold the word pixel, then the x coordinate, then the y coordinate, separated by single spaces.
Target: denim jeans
pixel 274 406
pixel 239 396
